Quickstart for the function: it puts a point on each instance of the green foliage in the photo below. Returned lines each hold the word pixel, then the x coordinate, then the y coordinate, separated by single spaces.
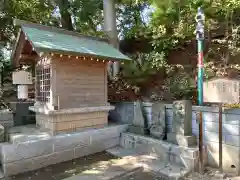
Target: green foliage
pixel 140 72
pixel 181 85
pixel 171 24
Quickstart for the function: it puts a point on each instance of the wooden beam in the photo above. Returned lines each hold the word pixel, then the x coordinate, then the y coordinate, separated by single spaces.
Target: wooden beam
pixel 24 57
pixel 18 49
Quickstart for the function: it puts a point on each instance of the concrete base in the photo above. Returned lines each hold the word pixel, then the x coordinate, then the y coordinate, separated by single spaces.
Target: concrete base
pixel 31 154
pixel 184 156
pixel 137 130
pixel 181 140
pixel 71 120
pixel 147 160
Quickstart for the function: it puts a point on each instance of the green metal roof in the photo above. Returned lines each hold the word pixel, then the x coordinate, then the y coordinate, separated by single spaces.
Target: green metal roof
pixel 60 42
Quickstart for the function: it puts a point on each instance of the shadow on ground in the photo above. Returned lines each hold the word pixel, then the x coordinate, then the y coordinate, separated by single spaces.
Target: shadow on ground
pixel 89 164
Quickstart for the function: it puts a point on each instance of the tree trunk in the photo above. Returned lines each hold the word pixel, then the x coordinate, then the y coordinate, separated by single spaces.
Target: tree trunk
pixel 66 19
pixel 110 28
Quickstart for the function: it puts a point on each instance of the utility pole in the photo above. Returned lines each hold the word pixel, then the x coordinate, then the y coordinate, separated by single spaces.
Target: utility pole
pixel 200 17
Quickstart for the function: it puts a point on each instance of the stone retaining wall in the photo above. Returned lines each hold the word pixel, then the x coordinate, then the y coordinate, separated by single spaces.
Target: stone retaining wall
pixel 168 153
pixel 6 118
pixel 231 131
pixel 231 135
pixel 32 155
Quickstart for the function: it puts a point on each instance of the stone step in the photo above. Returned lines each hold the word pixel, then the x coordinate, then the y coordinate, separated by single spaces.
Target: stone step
pixel 161 168
pixel 115 170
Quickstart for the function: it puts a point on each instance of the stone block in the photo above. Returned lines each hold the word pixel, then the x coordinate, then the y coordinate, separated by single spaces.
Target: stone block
pixel 158 121
pixel 210 117
pixel 189 163
pixel 17 167
pixel 69 122
pixel 57 157
pixel 212 136
pixel 15 152
pixel 104 145
pixel 81 151
pixel 70 141
pixel 194 116
pixel 195 132
pixel 104 134
pixel 169 112
pixel 231 119
pixel 169 128
pixel 138 130
pixel 123 112
pixel 182 115
pixel 127 141
pixel 95 147
pixel 231 156
pixel 195 124
pixel 169 120
pixel 122 128
pixel 159 151
pixel 185 151
pixel 232 140
pixel 138 119
pixel 211 126
pixel 181 140
pixel 226 128
pixel 173 172
pixel 231 129
pixel 34 163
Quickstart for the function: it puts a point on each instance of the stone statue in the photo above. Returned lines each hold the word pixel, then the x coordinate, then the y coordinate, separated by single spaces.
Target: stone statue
pixel 158 125
pixel 181 133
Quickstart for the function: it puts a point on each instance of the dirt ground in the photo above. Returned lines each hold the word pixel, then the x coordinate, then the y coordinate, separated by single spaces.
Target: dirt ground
pixel 65 169
pixel 71 168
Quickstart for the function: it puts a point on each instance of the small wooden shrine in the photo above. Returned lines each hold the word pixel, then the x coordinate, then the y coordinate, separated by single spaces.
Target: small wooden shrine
pixel 70 72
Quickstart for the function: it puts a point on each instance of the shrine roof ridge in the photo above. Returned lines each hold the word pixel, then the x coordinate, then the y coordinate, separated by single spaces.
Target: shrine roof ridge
pixel 55 40
pixel 21 23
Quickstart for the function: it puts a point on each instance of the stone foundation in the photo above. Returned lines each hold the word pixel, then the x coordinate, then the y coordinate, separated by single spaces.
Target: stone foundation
pixel 71 120
pixel 34 154
pixel 185 156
